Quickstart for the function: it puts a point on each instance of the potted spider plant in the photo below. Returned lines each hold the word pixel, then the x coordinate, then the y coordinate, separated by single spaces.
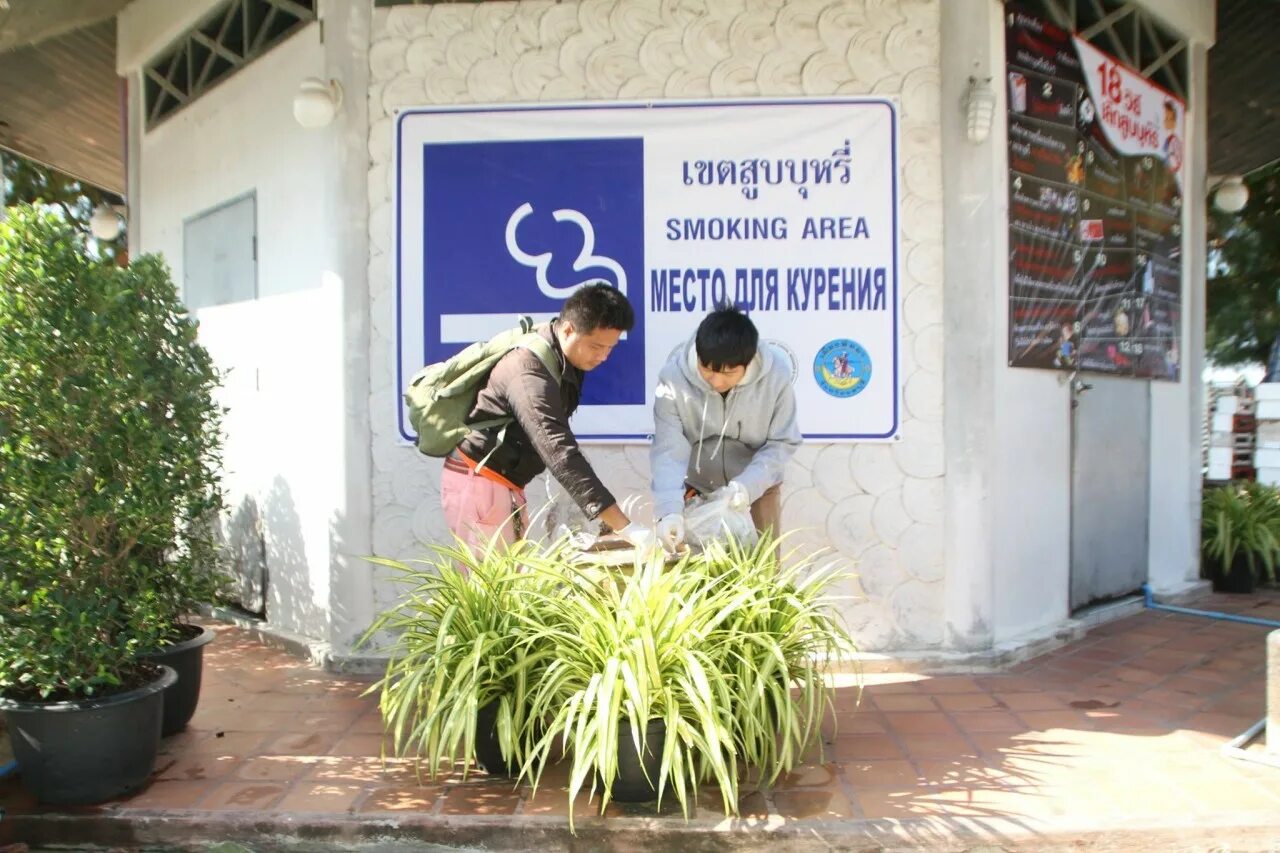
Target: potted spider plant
pixel 457 677
pixel 779 647
pixel 106 408
pixel 675 675
pixel 1240 535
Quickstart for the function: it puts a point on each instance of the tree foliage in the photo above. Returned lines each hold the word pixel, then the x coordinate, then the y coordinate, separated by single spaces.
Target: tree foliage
pixel 29 182
pixel 109 462
pixel 1243 311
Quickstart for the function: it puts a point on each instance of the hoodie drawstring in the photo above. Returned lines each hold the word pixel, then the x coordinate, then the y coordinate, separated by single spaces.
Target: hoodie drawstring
pixel 702 427
pixel 697 462
pixel 724 426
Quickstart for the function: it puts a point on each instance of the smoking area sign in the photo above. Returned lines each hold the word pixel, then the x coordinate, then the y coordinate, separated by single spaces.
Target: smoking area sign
pixel 788 209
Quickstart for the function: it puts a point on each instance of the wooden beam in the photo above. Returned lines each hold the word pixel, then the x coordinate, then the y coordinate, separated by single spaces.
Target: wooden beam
pixel 1137 40
pixel 1106 20
pixel 1164 59
pixel 218 48
pixel 1061 17
pixel 263 29
pixel 1104 26
pixel 164 83
pixel 302 13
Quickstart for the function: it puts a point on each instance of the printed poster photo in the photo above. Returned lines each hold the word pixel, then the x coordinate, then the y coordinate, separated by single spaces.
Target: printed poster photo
pixel 1096 153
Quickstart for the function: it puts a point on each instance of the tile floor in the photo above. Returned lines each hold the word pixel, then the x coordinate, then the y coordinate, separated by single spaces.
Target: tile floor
pixel 1122 728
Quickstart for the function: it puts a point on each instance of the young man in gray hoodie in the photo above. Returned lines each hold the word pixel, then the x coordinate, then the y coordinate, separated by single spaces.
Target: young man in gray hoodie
pixel 724 416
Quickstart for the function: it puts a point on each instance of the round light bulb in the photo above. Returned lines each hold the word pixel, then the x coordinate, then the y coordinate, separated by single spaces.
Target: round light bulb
pixel 105 223
pixel 1232 195
pixel 316 102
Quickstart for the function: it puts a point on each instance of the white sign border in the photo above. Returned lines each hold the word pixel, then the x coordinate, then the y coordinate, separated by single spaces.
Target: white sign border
pixel 892 434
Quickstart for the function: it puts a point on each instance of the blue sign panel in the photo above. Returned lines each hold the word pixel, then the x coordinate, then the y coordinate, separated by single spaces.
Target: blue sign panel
pixel 515 227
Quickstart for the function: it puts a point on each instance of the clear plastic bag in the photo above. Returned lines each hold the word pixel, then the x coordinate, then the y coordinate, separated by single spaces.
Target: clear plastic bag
pixel 714 518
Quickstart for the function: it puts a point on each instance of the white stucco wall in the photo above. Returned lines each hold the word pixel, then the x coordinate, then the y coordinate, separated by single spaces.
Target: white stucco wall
pixel 880 505
pixel 961 548
pixel 289 429
pixel 1008 431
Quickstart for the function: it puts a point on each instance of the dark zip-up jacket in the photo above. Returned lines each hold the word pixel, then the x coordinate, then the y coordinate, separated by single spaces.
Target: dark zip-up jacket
pixel 540 438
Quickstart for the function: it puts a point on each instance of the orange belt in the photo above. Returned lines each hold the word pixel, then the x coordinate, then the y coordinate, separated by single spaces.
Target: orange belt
pixel 464 464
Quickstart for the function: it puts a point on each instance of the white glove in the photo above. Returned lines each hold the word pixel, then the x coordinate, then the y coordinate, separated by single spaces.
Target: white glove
pixel 739 500
pixel 671 531
pixel 641 538
pixel 579 539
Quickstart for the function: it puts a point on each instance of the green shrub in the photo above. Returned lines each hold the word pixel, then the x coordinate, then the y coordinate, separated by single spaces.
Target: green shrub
pixel 728 648
pixel 1242 520
pixel 459 644
pixel 777 646
pixel 109 463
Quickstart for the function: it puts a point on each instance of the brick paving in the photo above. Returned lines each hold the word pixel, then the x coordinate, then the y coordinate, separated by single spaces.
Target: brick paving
pixel 1119 730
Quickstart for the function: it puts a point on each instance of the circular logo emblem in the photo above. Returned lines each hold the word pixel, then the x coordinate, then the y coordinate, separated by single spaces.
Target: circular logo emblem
pixel 842 368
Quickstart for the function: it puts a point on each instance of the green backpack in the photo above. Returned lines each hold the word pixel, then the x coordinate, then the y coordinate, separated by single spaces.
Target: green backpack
pixel 440 396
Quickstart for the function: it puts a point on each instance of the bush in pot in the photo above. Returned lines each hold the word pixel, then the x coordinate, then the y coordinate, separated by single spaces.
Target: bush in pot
pixel 779 646
pixel 175 457
pixel 457 679
pixel 1240 534
pixel 105 403
pixel 682 673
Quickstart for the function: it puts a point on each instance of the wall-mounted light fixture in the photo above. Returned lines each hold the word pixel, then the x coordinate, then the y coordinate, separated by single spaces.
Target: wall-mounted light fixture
pixel 979 104
pixel 317 102
pixel 1231 195
pixel 107 221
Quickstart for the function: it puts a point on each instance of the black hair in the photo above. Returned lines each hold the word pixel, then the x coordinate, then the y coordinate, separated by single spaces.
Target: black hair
pixel 726 339
pixel 598 306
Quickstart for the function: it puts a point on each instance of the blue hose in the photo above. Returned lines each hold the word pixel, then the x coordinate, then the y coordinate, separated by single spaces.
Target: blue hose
pixel 1212 614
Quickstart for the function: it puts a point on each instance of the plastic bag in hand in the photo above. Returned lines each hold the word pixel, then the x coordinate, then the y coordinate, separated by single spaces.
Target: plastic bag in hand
pixel 718 518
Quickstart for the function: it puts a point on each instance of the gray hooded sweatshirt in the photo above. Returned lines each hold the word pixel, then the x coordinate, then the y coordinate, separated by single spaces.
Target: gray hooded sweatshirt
pixel 706 439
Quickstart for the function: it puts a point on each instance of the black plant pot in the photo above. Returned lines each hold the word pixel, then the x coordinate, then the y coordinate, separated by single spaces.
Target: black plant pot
pixel 637 779
pixel 88 751
pixel 488 750
pixel 187 660
pixel 1239 579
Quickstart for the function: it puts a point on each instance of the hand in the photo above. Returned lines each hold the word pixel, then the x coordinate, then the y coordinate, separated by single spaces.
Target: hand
pixel 671 531
pixel 739 499
pixel 641 538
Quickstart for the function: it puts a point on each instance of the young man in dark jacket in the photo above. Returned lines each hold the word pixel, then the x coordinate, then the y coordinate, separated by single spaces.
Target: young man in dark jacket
pixel 481 503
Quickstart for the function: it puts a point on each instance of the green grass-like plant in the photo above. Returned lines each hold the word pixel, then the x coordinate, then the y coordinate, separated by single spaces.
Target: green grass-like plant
pixel 779 646
pixel 729 648
pixel 459 644
pixel 1242 520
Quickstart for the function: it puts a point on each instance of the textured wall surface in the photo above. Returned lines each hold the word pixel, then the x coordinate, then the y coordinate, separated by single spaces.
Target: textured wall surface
pixel 879 506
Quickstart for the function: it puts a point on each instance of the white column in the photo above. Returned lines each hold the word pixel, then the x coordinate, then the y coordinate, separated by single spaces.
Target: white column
pixel 346 50
pixel 972 218
pixel 1177 409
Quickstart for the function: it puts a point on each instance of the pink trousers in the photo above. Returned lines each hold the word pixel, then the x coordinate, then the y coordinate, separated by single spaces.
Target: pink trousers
pixel 476 508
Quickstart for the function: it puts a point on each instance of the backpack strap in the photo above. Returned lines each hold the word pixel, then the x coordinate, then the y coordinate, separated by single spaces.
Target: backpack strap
pixel 540 347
